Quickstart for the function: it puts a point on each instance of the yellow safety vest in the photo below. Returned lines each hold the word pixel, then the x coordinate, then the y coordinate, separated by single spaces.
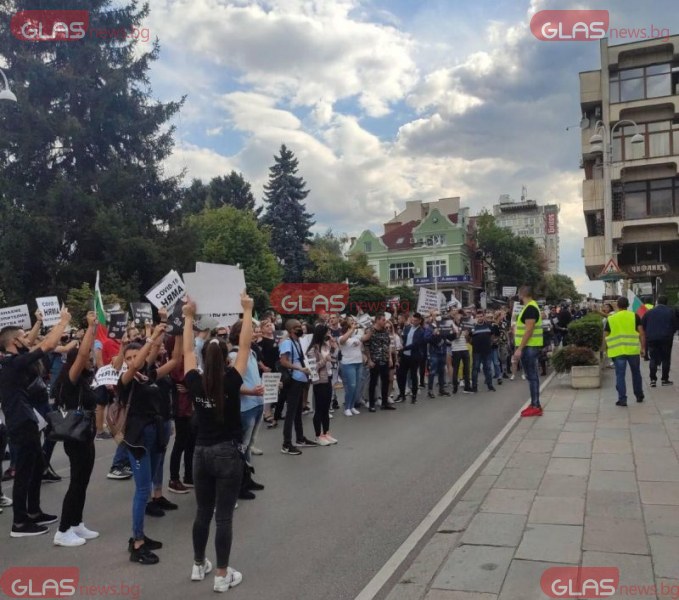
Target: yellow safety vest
pixel 623 340
pixel 536 338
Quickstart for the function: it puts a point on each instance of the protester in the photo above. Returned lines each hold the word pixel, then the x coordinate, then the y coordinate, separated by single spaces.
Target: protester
pixel 351 364
pixel 482 352
pixel 414 340
pixel 184 437
pixel 459 352
pixel 269 349
pixel 528 339
pixel 320 351
pixel 395 347
pixel 377 343
pixel 437 352
pixel 660 324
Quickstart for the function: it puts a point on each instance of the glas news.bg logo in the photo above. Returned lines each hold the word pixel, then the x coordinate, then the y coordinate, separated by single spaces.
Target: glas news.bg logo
pixel 309 298
pixel 40 582
pixel 580 582
pixel 50 25
pixel 569 25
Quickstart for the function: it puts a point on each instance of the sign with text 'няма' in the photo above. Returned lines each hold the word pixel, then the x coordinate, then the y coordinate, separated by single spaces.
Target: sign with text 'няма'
pixel 167 292
pixel 49 307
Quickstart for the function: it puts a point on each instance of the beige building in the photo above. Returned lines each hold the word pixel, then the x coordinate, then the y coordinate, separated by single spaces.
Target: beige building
pixel 638 83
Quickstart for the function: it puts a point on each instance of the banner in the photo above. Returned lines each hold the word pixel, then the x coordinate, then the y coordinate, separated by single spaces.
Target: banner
pixel 117 325
pixel 17 316
pixel 167 292
pixel 141 313
pixel 270 382
pixel 428 300
pixel 49 307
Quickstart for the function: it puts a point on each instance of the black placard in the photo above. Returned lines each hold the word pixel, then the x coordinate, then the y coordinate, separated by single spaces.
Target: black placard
pixel 117 325
pixel 142 312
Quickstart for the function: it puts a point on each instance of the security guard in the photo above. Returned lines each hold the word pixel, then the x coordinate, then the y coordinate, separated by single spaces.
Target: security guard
pixel 528 339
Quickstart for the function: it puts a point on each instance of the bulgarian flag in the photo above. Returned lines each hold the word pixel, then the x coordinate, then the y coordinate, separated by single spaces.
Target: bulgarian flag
pixel 102 330
pixel 636 305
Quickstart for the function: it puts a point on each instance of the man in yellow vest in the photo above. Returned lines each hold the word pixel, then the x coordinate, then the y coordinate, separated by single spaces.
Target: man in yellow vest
pixel 626 343
pixel 528 341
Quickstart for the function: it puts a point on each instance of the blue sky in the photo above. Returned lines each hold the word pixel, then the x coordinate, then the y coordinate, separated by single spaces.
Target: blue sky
pixel 385 101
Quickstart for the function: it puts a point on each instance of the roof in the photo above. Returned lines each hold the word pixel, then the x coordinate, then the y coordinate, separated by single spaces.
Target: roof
pixel 404 232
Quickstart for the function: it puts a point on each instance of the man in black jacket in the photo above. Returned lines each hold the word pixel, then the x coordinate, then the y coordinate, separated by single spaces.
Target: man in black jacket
pixel 660 324
pixel 415 339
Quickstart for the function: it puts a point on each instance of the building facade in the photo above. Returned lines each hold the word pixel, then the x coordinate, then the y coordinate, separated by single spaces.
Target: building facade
pixel 529 219
pixel 429 244
pixel 637 225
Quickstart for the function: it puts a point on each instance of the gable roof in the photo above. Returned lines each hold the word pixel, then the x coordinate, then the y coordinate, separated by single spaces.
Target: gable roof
pixel 405 232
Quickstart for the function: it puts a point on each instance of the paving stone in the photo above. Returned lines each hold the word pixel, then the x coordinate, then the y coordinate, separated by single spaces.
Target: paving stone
pixel 520 479
pixel 515 502
pixel 495 466
pixel 647 471
pixel 615 481
pixel 612 462
pixel 479 489
pixel 634 571
pixel 615 535
pixel 551 543
pixel 453 595
pixel 557 511
pixel 651 440
pixel 615 505
pixel 564 486
pixel 664 549
pixel 612 446
pixel 586 427
pixel 491 529
pixel 661 520
pixel 613 423
pixel 540 446
pixel 404 591
pixel 573 451
pixel 523 580
pixel 650 418
pixel 570 437
pixel 612 434
pixel 543 434
pixel 529 460
pixel 672 426
pixel 668 589
pixel 641 453
pixel 659 492
pixel 432 556
pixel 475 569
pixel 459 517
pixel 568 466
pixel 582 418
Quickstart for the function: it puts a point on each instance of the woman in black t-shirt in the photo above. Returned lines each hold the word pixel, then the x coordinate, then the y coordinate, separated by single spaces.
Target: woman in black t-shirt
pixel 72 391
pixel 217 460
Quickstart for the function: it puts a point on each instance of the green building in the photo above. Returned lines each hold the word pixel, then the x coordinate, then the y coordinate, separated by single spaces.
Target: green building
pixel 429 244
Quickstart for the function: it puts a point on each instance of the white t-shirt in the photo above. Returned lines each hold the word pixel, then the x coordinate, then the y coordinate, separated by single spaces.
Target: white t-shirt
pixel 352 352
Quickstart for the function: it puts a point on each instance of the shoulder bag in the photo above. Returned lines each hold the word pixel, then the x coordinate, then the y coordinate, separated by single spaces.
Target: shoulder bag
pixel 71 425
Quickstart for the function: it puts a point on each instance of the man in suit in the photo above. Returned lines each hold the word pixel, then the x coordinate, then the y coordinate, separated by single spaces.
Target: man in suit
pixel 415 339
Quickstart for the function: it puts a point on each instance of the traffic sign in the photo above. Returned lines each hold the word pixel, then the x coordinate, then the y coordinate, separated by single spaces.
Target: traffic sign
pixel 611 268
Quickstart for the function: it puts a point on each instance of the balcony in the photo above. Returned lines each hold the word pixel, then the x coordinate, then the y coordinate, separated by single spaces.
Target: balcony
pixel 590 88
pixel 400 282
pixel 618 110
pixel 592 195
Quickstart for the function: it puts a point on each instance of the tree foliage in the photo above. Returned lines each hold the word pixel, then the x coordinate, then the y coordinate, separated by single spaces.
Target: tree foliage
pixel 328 264
pixel 227 190
pixel 80 300
pixel 560 287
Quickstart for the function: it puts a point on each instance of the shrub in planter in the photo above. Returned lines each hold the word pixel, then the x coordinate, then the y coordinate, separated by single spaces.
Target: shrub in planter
pixel 587 332
pixel 573 356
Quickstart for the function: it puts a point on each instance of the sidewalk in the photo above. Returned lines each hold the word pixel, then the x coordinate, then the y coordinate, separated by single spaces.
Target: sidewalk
pixel 588 483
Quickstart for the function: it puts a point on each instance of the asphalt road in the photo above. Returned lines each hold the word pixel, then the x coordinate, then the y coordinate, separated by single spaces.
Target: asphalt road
pixel 325 524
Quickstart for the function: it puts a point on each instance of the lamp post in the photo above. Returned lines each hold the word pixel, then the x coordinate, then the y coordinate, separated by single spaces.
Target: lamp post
pixel 6 94
pixel 603 143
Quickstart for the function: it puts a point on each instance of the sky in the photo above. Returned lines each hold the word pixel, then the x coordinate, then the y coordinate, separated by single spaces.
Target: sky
pixel 384 101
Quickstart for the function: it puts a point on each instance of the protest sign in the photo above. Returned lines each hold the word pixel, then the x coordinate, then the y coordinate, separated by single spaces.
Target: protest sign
pixel 50 309
pixel 508 291
pixel 516 311
pixel 106 376
pixel 117 325
pixel 216 288
pixel 223 319
pixel 428 300
pixel 17 316
pixel 305 342
pixel 271 381
pixel 141 313
pixel 364 320
pixel 311 365
pixel 167 292
pixel 175 320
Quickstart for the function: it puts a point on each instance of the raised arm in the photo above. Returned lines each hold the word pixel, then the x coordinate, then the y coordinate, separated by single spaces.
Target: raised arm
pixel 245 338
pixel 35 330
pixel 171 364
pixel 85 348
pixel 51 340
pixel 140 359
pixel 190 362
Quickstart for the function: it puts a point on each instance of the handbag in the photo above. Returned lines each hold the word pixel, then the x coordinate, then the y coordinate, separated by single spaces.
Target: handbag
pixel 116 417
pixel 71 425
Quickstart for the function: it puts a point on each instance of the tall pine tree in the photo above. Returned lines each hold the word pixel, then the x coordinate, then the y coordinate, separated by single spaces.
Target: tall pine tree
pixel 81 183
pixel 286 215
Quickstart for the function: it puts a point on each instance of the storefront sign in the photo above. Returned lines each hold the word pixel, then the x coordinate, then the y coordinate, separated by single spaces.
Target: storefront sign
pixel 648 269
pixel 444 279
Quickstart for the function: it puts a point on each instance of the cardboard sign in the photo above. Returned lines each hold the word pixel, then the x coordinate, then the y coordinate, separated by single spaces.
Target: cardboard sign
pixel 107 376
pixel 117 325
pixel 17 316
pixel 427 300
pixel 50 309
pixel 509 291
pixel 141 313
pixel 167 292
pixel 270 382
pixel 175 320
pixel 364 320
pixel 216 288
pixel 223 319
pixel 311 365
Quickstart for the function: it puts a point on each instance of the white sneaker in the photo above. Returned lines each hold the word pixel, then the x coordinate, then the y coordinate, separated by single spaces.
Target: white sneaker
pixel 330 439
pixel 198 572
pixel 256 451
pixel 355 412
pixel 322 441
pixel 5 501
pixel 350 413
pixel 331 415
pixel 523 377
pixel 68 539
pixel 84 533
pixel 512 377
pixel 232 579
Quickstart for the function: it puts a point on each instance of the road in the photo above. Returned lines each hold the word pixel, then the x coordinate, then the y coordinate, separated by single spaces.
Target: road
pixel 326 522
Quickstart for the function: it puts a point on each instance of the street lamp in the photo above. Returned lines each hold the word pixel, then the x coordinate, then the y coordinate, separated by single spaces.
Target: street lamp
pixel 601 141
pixel 6 94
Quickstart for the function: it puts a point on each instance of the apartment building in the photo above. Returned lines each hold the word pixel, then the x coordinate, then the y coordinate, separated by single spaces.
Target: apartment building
pixel 632 217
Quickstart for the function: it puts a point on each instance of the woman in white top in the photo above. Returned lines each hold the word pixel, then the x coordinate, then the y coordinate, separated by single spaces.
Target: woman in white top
pixel 351 363
pixel 394 348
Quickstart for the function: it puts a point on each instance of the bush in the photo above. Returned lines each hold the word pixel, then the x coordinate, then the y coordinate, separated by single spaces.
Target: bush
pixel 587 332
pixel 573 356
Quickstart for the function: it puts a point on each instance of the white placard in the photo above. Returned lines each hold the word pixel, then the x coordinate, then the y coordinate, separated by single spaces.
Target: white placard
pixel 364 320
pixel 17 316
pixel 106 376
pixel 216 288
pixel 50 309
pixel 167 292
pixel 270 382
pixel 427 300
pixel 311 365
pixel 508 291
pixel 305 342
pixel 223 319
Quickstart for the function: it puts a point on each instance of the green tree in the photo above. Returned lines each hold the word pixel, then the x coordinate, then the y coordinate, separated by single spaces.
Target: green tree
pixel 232 190
pixel 560 287
pixel 231 236
pixel 81 181
pixel 286 215
pixel 80 300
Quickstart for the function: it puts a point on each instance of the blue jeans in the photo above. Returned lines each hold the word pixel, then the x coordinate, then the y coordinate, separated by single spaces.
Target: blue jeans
pixel 529 362
pixel 158 473
pixel 351 374
pixel 620 370
pixel 121 458
pixel 497 367
pixel 363 381
pixel 143 470
pixel 248 422
pixel 485 360
pixel 437 367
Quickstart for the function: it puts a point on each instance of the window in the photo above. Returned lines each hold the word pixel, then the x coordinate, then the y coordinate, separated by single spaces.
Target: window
pixel 636 84
pixel 661 138
pixel 368 246
pixel 400 240
pixel 433 240
pixel 401 271
pixel 436 268
pixel 641 199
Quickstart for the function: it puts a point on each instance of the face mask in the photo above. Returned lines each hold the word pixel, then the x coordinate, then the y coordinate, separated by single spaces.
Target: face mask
pixel 199 343
pixel 299 332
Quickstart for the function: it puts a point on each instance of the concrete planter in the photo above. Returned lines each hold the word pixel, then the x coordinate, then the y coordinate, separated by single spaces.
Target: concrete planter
pixel 585 378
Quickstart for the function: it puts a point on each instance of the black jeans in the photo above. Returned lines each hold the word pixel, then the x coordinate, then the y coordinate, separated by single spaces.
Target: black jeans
pixel 81 458
pixel 184 443
pixel 407 366
pixel 217 471
pixel 423 369
pixel 381 371
pixel 293 414
pixel 322 399
pixel 660 353
pixel 461 356
pixel 30 464
pixel 282 396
